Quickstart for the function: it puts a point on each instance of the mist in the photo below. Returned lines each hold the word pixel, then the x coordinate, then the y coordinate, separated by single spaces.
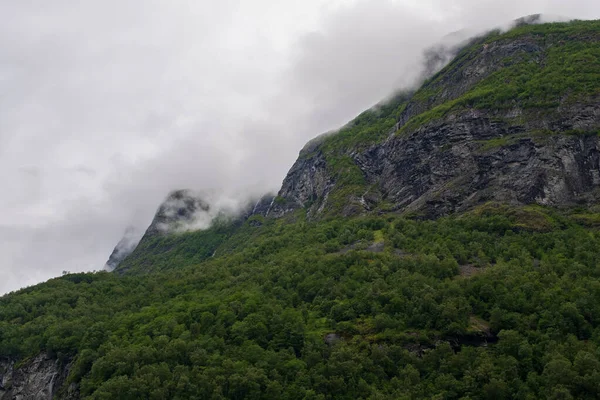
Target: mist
pixel 108 106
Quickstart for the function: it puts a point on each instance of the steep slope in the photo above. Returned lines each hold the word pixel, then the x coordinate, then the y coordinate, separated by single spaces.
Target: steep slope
pixel 333 290
pixel 514 118
pixel 123 249
pixel 186 229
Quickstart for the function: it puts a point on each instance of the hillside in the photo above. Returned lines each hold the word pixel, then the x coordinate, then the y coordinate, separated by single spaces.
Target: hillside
pixel 442 245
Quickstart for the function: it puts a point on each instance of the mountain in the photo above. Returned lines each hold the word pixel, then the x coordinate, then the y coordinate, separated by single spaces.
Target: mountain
pixel 514 118
pixel 186 229
pixel 444 244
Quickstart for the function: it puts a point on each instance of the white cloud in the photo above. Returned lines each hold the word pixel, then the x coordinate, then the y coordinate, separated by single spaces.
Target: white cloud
pixel 106 105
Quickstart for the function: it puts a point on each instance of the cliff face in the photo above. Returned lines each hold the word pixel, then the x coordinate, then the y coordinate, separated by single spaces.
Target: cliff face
pixel 515 118
pixel 459 162
pixel 468 159
pixel 39 378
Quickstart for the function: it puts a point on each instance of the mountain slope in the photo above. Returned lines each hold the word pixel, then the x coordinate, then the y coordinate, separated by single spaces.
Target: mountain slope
pixel 338 288
pixel 514 118
pixel 350 308
pixel 185 230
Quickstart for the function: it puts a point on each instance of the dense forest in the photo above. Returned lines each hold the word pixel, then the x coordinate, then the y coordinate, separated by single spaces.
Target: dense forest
pixel 497 303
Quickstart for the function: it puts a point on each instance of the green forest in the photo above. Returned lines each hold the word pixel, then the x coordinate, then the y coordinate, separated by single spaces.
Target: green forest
pixel 497 303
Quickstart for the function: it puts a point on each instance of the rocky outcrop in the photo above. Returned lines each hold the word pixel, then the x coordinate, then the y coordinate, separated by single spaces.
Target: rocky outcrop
pixel 463 160
pixel 460 156
pixel 468 159
pixel 180 209
pixel 38 378
pixel 186 210
pixel 309 181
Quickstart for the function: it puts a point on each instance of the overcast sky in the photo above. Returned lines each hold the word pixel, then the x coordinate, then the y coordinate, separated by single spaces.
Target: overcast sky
pixel 106 106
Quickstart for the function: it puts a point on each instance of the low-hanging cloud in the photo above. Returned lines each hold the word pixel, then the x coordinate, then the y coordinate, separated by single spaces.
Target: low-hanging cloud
pixel 108 106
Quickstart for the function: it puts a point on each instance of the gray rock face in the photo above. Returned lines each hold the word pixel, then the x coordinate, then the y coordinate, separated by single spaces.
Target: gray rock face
pixel 261 207
pixel 180 208
pixel 332 338
pixel 39 378
pixel 464 160
pixel 307 182
pixel 469 159
pixel 463 157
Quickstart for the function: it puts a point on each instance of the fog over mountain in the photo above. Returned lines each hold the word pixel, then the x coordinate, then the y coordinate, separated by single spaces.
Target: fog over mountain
pixel 107 106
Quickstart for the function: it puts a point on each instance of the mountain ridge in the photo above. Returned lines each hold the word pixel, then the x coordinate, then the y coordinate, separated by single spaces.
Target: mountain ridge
pixel 453 143
pixel 461 99
pixel 381 270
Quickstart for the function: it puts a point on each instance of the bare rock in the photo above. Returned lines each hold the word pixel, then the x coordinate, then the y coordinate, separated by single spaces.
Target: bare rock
pixel 38 378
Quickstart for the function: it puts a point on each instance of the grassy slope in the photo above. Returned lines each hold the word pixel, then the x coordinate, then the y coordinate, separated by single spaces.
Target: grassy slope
pixel 160 251
pixel 564 72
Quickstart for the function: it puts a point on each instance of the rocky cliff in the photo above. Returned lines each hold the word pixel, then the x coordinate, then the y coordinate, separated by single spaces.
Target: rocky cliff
pixel 39 378
pixel 514 118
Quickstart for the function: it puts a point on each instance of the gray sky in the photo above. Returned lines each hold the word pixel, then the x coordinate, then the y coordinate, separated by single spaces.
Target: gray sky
pixel 106 106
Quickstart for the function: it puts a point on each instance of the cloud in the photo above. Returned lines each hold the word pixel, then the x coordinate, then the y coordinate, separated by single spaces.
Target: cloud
pixel 107 106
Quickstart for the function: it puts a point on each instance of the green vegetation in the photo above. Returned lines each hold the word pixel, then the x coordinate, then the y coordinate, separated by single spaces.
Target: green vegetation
pixel 252 321
pixel 174 250
pixel 368 128
pixel 557 66
pixel 537 136
pixel 531 218
pixel 499 142
pixel 378 236
pixel 499 302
